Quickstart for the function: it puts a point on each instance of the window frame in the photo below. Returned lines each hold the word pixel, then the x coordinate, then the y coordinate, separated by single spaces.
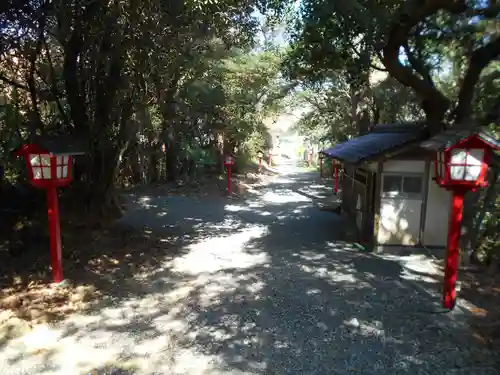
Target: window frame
pixel 403 194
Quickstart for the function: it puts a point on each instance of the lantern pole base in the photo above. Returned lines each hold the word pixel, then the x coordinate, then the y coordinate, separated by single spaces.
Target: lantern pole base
pixel 55 234
pixel 61 284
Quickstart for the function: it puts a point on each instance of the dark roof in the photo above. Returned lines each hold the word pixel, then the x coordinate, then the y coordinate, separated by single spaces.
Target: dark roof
pixel 61 144
pixel 450 137
pixel 64 144
pixel 381 140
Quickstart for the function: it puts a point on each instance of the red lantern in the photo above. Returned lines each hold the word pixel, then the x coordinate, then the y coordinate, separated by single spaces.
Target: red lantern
pixel 461 165
pixel 321 157
pixel 49 169
pixel 46 169
pixel 228 163
pixel 336 177
pixel 260 154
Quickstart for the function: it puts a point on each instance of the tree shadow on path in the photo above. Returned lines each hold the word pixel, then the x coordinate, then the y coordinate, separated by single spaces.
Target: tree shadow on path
pixel 265 285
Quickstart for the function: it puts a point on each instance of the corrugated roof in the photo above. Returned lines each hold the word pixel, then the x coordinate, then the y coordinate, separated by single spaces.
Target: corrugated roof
pixel 451 137
pixel 384 138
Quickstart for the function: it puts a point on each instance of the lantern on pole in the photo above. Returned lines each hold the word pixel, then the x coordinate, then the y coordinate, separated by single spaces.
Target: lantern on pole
pixel 228 163
pixel 270 154
pixel 260 154
pixel 321 158
pixel 461 165
pixel 49 163
pixel 335 176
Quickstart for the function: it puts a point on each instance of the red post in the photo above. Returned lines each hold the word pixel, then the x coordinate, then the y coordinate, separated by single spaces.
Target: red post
pixel 270 159
pixel 228 179
pixel 453 250
pixel 55 234
pixel 336 179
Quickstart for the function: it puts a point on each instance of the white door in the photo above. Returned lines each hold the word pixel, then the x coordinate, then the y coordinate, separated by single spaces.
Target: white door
pixel 400 209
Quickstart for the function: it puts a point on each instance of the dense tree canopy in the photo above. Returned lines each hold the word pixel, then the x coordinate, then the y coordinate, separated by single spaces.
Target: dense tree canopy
pixel 417 42
pixel 129 76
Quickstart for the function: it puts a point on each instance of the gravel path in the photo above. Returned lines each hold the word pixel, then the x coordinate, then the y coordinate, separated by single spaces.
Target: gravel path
pixel 263 286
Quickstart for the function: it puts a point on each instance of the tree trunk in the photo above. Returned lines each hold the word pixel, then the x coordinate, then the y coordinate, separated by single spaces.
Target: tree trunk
pixel 473 220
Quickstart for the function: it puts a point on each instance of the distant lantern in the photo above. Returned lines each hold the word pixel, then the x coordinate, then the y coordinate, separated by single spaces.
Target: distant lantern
pixel 228 163
pixel 321 156
pixel 260 155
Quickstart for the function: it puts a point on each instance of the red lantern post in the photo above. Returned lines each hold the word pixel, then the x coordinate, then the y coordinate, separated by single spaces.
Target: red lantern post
pixel 335 177
pixel 321 157
pixel 460 168
pixel 228 163
pixel 48 170
pixel 260 154
pixel 270 157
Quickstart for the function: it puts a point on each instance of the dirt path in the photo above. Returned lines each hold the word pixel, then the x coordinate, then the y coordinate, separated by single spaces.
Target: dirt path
pixel 261 284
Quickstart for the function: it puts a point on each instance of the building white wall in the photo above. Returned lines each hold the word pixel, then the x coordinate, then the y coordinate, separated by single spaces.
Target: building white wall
pixel 400 218
pixel 404 166
pixel 438 213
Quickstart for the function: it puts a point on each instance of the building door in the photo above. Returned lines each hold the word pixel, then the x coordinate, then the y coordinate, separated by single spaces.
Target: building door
pixel 400 208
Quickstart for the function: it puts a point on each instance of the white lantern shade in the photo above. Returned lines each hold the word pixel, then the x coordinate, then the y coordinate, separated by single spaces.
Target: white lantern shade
pixel 40 165
pixel 41 168
pixel 465 165
pixel 62 166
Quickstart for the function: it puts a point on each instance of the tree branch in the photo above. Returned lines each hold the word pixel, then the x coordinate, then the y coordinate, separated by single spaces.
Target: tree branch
pixel 493 115
pixel 479 60
pixel 53 84
pixel 418 65
pixel 410 14
pixel 371 65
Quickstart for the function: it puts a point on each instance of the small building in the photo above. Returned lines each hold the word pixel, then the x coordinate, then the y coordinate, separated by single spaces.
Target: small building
pixel 388 188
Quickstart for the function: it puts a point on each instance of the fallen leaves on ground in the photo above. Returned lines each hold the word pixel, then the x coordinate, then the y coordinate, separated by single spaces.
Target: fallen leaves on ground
pixel 483 291
pixel 26 294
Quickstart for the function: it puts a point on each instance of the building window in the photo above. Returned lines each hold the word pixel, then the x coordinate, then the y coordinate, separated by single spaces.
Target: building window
pixel 402 186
